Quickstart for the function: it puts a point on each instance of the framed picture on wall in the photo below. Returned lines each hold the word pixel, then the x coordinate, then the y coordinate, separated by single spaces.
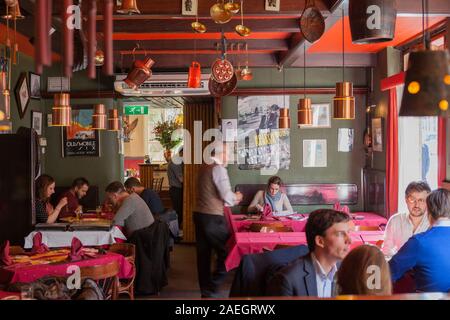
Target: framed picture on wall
pixel 272 5
pixel 189 7
pixel 377 134
pixel 320 117
pixel 314 153
pixel 80 139
pixel 36 121
pixel 35 86
pixel 22 94
pixel 345 139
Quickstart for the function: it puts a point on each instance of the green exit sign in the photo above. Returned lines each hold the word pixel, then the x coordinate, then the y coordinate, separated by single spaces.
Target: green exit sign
pixel 136 110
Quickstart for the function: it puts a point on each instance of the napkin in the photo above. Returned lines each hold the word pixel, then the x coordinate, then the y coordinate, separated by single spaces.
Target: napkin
pixel 267 212
pixel 337 206
pixel 38 246
pixel 76 250
pixel 5 258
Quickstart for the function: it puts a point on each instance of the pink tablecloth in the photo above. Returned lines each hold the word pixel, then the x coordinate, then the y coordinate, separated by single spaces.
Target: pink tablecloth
pixel 359 218
pixel 4 294
pixel 242 243
pixel 30 273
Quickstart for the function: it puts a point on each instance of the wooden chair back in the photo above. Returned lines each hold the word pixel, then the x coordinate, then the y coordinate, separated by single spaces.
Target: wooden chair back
pixel 157 184
pixel 106 276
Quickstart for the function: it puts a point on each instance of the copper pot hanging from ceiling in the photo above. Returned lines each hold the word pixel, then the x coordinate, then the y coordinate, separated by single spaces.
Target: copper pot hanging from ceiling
pixel 284 121
pixel 61 111
pixel 99 117
pixel 113 120
pixel 141 72
pixel 128 7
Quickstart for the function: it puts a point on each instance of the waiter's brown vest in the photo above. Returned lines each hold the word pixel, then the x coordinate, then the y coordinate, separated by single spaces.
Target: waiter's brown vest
pixel 208 197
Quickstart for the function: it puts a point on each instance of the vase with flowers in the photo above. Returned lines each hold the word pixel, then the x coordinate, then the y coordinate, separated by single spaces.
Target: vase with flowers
pixel 163 133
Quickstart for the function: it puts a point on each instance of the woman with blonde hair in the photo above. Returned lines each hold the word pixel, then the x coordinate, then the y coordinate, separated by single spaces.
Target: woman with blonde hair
pixel 364 271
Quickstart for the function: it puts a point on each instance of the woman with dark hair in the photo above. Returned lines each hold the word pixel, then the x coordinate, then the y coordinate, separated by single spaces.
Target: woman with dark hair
pixel 364 271
pixel 273 196
pixel 45 187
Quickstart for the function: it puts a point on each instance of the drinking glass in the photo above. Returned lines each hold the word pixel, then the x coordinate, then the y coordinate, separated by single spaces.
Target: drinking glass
pixel 98 210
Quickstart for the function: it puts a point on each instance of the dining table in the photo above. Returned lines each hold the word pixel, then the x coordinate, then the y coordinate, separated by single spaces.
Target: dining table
pixel 31 267
pixel 242 242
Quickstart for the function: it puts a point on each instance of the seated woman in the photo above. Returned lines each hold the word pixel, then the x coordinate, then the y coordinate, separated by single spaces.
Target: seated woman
pixel 273 196
pixel 364 271
pixel 45 213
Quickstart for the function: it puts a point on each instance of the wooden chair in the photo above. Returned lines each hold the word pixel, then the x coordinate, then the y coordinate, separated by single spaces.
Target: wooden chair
pixel 367 228
pixel 106 276
pixel 157 184
pixel 128 250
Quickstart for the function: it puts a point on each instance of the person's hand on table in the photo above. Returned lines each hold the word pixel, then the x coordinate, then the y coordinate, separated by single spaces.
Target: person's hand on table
pixel 259 207
pixel 79 210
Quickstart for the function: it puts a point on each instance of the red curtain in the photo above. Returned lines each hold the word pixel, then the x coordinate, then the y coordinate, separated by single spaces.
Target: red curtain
pixel 442 150
pixel 392 155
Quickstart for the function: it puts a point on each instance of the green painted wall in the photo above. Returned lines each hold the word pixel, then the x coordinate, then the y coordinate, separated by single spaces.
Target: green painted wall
pixel 342 167
pixel 98 170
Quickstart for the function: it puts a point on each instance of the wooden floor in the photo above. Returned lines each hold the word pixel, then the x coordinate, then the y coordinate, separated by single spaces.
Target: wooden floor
pixel 182 276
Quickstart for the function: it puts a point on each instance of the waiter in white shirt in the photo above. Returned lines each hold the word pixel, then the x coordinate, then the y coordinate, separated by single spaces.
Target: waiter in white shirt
pixel 403 226
pixel 211 229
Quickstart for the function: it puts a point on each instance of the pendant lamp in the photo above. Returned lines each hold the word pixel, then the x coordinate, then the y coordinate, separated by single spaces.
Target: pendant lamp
pixel 304 111
pixel 128 7
pixel 99 117
pixel 427 80
pixel 344 101
pixel 61 111
pixel 113 120
pixel 284 121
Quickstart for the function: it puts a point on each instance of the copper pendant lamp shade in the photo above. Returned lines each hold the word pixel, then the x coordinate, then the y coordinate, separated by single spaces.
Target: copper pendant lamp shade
pixel 284 121
pixel 427 85
pixel 61 111
pixel 128 7
pixel 113 120
pixel 141 72
pixel 344 101
pixel 304 112
pixel 99 117
pixel 14 12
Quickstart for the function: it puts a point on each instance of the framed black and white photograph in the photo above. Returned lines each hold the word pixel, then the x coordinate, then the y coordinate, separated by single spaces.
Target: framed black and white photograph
pixel 35 86
pixel 36 121
pixel 189 7
pixel 320 117
pixel 377 135
pixel 345 139
pixel 22 94
pixel 314 153
pixel 272 5
pixel 229 130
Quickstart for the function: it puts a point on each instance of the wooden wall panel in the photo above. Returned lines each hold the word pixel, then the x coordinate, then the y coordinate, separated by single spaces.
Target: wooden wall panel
pixel 204 112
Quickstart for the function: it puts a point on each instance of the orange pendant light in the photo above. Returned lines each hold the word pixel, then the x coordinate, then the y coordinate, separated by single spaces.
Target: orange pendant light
pixel 61 111
pixel 99 117
pixel 304 111
pixel 284 121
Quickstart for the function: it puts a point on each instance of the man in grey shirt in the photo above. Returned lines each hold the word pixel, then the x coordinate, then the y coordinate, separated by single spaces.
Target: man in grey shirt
pixel 133 213
pixel 175 175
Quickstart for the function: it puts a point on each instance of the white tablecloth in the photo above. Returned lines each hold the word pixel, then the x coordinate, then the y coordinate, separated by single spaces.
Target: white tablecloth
pixel 55 239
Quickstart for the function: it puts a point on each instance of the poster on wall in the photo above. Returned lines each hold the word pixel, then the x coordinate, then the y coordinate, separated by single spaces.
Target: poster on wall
pixel 261 145
pixel 345 139
pixel 79 139
pixel 314 153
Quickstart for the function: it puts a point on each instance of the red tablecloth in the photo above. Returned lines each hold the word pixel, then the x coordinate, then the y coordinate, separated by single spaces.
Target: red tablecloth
pixel 4 294
pixel 242 243
pixel 30 273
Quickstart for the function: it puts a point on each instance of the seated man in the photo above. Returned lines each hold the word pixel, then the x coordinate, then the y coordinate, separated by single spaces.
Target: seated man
pixel 328 237
pixel 427 253
pixel 79 189
pixel 132 212
pixel 404 225
pixel 151 197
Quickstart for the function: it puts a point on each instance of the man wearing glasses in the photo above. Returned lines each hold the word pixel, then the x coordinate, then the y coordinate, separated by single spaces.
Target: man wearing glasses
pixel 403 226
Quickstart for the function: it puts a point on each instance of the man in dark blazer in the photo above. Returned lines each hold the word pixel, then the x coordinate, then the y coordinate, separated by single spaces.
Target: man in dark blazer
pixel 328 237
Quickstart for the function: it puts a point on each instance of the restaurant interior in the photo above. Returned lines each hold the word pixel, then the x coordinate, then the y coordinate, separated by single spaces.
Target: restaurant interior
pixel 340 105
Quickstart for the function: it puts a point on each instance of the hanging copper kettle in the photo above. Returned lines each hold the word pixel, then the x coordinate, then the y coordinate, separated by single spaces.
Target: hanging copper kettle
pixel 140 73
pixel 195 75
